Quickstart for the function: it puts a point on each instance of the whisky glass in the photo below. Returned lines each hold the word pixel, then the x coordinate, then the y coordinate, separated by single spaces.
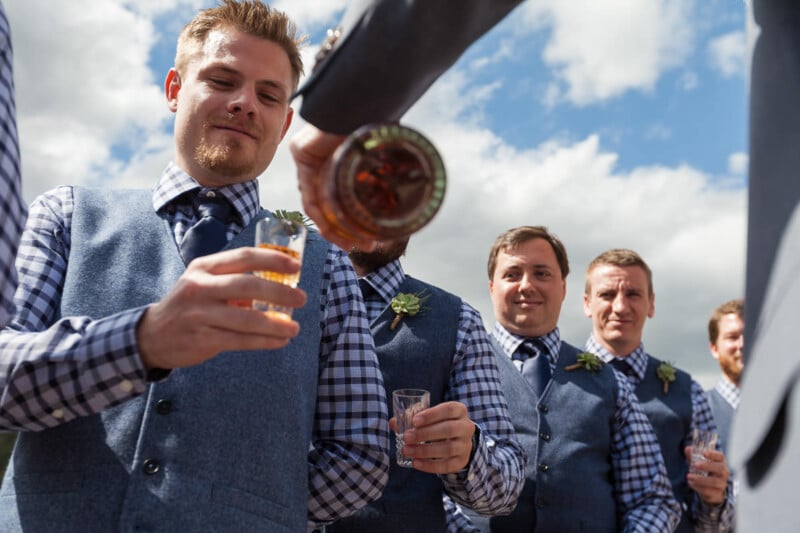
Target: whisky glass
pixel 286 236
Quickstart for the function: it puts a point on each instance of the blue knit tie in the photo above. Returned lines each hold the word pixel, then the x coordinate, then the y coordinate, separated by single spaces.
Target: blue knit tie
pixel 210 233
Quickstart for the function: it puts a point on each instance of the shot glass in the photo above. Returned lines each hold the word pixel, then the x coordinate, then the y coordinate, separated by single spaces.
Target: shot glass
pixel 701 441
pixel 288 237
pixel 407 403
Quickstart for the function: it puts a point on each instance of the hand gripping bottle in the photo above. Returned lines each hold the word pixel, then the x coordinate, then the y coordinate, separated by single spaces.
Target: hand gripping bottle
pixel 387 181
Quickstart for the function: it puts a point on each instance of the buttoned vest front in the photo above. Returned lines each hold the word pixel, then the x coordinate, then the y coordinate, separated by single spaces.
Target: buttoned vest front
pixel 417 354
pixel 723 415
pixel 567 434
pixel 218 447
pixel 671 417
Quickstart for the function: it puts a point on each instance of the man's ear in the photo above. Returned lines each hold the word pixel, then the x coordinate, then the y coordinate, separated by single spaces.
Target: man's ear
pixel 287 122
pixel 171 87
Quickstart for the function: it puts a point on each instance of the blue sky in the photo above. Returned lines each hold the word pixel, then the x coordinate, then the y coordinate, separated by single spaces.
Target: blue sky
pixel 614 123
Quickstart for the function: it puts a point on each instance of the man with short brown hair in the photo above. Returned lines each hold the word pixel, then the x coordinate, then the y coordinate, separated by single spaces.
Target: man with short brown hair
pixel 726 343
pixel 619 298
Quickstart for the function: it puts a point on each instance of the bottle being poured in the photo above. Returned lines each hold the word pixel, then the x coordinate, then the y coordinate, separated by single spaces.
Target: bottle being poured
pixel 387 181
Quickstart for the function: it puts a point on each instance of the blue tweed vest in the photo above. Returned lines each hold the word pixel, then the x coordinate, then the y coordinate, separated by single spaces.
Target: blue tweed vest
pixel 221 446
pixel 416 354
pixel 671 417
pixel 723 416
pixel 567 436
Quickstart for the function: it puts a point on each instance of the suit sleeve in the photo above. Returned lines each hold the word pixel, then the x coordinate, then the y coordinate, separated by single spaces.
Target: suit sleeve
pixel 389 54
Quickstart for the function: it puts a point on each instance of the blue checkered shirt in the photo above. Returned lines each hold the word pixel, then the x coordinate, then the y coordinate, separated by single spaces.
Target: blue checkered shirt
pixel 717 518
pixel 729 392
pixel 492 481
pixel 12 209
pixel 642 490
pixel 53 370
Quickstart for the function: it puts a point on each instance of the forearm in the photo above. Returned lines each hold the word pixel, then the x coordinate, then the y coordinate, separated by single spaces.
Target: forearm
pixel 77 367
pixel 493 480
pixel 644 493
pixel 390 56
pixel 349 452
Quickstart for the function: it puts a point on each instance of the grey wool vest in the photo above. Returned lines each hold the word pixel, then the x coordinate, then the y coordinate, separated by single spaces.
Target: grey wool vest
pixel 723 415
pixel 567 434
pixel 218 447
pixel 417 354
pixel 671 417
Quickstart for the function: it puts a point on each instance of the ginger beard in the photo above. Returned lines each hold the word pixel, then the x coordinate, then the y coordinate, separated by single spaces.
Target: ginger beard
pixel 225 156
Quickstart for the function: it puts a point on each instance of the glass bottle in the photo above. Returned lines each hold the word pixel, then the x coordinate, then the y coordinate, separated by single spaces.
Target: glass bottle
pixel 387 182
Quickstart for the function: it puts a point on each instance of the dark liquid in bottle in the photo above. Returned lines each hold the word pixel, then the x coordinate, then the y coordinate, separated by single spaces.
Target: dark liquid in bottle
pixel 388 181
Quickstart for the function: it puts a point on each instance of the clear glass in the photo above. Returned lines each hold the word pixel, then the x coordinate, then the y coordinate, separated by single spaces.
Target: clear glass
pixel 701 441
pixel 288 237
pixel 407 403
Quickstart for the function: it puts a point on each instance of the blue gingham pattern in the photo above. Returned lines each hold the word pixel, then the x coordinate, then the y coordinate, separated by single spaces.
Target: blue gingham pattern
pixel 12 209
pixel 54 369
pixel 728 391
pixel 707 518
pixel 497 470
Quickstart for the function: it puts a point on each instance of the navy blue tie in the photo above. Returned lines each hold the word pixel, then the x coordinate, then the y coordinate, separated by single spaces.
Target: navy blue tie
pixel 536 366
pixel 210 233
pixel 622 366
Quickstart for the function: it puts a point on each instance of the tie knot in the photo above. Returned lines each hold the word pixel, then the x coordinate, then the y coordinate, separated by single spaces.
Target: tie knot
pixel 211 204
pixel 367 290
pixel 622 366
pixel 529 349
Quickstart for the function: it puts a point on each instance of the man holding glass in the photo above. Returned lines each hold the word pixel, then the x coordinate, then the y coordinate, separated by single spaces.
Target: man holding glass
pixel 131 416
pixel 619 299
pixel 463 445
pixel 593 461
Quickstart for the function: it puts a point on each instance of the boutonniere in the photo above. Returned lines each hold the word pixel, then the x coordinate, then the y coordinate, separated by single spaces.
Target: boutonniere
pixel 666 373
pixel 586 360
pixel 292 216
pixel 407 304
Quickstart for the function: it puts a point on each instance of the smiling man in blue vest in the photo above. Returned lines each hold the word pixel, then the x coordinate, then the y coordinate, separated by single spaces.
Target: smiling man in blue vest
pixel 593 460
pixel 130 415
pixel 467 446
pixel 619 298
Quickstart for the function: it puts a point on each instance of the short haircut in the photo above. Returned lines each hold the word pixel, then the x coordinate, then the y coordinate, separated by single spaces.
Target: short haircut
pixel 515 237
pixel 247 16
pixel 730 307
pixel 619 257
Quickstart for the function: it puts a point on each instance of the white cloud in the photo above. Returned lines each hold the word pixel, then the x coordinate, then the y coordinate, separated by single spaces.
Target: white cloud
pixel 728 53
pixel 737 163
pixel 83 87
pixel 601 49
pixel 688 81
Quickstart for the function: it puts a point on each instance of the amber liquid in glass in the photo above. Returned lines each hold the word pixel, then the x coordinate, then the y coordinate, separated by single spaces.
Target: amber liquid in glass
pixel 287 279
pixel 292 280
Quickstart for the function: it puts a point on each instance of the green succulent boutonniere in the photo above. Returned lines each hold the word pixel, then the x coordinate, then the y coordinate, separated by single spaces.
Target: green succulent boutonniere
pixel 407 304
pixel 586 360
pixel 666 373
pixel 293 216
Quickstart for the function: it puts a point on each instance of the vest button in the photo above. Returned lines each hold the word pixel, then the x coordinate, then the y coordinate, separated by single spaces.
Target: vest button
pixel 163 407
pixel 540 503
pixel 545 437
pixel 151 466
pixel 544 467
pixel 543 408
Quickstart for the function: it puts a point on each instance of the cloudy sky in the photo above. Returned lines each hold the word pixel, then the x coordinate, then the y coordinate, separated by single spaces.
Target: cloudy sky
pixel 614 123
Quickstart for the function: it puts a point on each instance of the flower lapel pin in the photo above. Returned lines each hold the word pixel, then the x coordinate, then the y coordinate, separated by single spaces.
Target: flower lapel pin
pixel 407 304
